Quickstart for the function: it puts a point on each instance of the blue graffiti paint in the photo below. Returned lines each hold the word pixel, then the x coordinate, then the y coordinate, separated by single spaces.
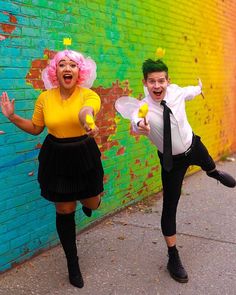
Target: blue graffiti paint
pixel 19 159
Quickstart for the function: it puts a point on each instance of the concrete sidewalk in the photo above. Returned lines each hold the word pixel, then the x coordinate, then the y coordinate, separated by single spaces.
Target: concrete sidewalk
pixel 126 255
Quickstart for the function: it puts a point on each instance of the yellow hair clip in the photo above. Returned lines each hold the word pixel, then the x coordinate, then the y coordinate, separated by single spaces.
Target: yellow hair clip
pixel 160 52
pixel 67 42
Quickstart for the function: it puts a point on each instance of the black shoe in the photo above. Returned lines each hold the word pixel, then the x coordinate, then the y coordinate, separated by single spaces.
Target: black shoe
pixel 176 268
pixel 223 178
pixel 87 211
pixel 75 276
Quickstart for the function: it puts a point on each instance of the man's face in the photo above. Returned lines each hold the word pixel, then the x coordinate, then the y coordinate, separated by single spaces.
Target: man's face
pixel 156 84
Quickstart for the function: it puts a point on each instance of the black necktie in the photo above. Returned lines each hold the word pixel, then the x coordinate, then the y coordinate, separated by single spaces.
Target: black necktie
pixel 167 146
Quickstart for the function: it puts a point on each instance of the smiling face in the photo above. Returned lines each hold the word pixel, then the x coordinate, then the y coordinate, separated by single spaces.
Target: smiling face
pixel 67 73
pixel 156 84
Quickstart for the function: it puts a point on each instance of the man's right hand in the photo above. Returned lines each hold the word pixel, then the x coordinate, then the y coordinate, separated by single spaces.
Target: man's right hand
pixel 143 128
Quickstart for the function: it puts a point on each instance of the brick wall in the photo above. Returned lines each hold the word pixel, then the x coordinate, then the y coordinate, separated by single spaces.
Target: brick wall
pixel 199 41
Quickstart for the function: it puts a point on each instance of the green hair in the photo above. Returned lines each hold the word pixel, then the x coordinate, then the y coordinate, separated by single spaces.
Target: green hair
pixel 150 66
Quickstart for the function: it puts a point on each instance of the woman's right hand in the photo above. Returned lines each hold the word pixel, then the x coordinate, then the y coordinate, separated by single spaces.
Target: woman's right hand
pixel 7 105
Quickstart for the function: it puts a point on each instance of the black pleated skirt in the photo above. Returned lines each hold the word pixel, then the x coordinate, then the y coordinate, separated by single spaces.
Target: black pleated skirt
pixel 70 169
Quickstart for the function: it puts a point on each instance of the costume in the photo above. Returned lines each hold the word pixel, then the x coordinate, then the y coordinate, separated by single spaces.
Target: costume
pixel 70 167
pixel 187 148
pixel 167 127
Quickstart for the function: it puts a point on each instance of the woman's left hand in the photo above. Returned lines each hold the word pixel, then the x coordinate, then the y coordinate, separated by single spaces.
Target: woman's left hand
pixel 89 131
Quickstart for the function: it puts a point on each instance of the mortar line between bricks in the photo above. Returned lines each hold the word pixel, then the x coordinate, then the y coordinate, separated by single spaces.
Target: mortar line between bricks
pixel 178 233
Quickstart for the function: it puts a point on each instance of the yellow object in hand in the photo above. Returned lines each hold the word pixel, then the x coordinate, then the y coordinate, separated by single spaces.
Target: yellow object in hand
pixel 142 112
pixel 90 121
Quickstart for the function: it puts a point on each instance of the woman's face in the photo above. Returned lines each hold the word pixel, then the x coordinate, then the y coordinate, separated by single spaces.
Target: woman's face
pixel 67 73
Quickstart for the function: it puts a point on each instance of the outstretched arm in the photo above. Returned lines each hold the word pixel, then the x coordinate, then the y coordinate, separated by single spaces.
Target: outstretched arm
pixel 92 131
pixel 191 91
pixel 8 110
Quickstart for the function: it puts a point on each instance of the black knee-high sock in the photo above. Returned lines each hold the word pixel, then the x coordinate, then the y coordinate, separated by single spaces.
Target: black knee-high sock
pixel 65 224
pixel 87 211
pixel 172 250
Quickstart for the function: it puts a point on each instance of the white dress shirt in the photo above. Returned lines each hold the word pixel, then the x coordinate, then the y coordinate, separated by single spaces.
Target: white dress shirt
pixel 181 131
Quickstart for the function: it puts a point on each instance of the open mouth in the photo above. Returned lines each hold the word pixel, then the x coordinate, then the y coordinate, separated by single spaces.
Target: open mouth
pixel 157 93
pixel 67 78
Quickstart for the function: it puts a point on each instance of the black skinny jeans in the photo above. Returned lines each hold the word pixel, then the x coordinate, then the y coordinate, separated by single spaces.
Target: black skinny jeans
pixel 172 181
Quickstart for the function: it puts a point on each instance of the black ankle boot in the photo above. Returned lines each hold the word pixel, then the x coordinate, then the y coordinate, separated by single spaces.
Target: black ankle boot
pixel 75 276
pixel 176 268
pixel 66 231
pixel 223 178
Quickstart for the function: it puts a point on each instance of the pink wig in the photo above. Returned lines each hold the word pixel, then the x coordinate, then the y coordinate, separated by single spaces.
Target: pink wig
pixel 87 69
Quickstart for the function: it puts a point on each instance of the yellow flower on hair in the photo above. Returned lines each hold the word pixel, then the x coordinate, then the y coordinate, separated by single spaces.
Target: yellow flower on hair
pixel 160 52
pixel 67 41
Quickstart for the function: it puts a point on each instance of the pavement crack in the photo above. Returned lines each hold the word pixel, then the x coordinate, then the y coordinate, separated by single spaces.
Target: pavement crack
pixel 179 233
pixel 208 239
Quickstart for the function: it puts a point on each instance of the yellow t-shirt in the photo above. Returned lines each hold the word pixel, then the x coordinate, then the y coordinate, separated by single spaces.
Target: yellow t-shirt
pixel 61 116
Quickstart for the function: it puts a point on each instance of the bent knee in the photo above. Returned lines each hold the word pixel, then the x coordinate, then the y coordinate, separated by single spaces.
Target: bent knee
pixel 65 207
pixel 92 203
pixel 94 206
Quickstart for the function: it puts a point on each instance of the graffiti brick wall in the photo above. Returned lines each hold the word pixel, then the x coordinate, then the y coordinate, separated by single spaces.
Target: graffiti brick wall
pixel 199 41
